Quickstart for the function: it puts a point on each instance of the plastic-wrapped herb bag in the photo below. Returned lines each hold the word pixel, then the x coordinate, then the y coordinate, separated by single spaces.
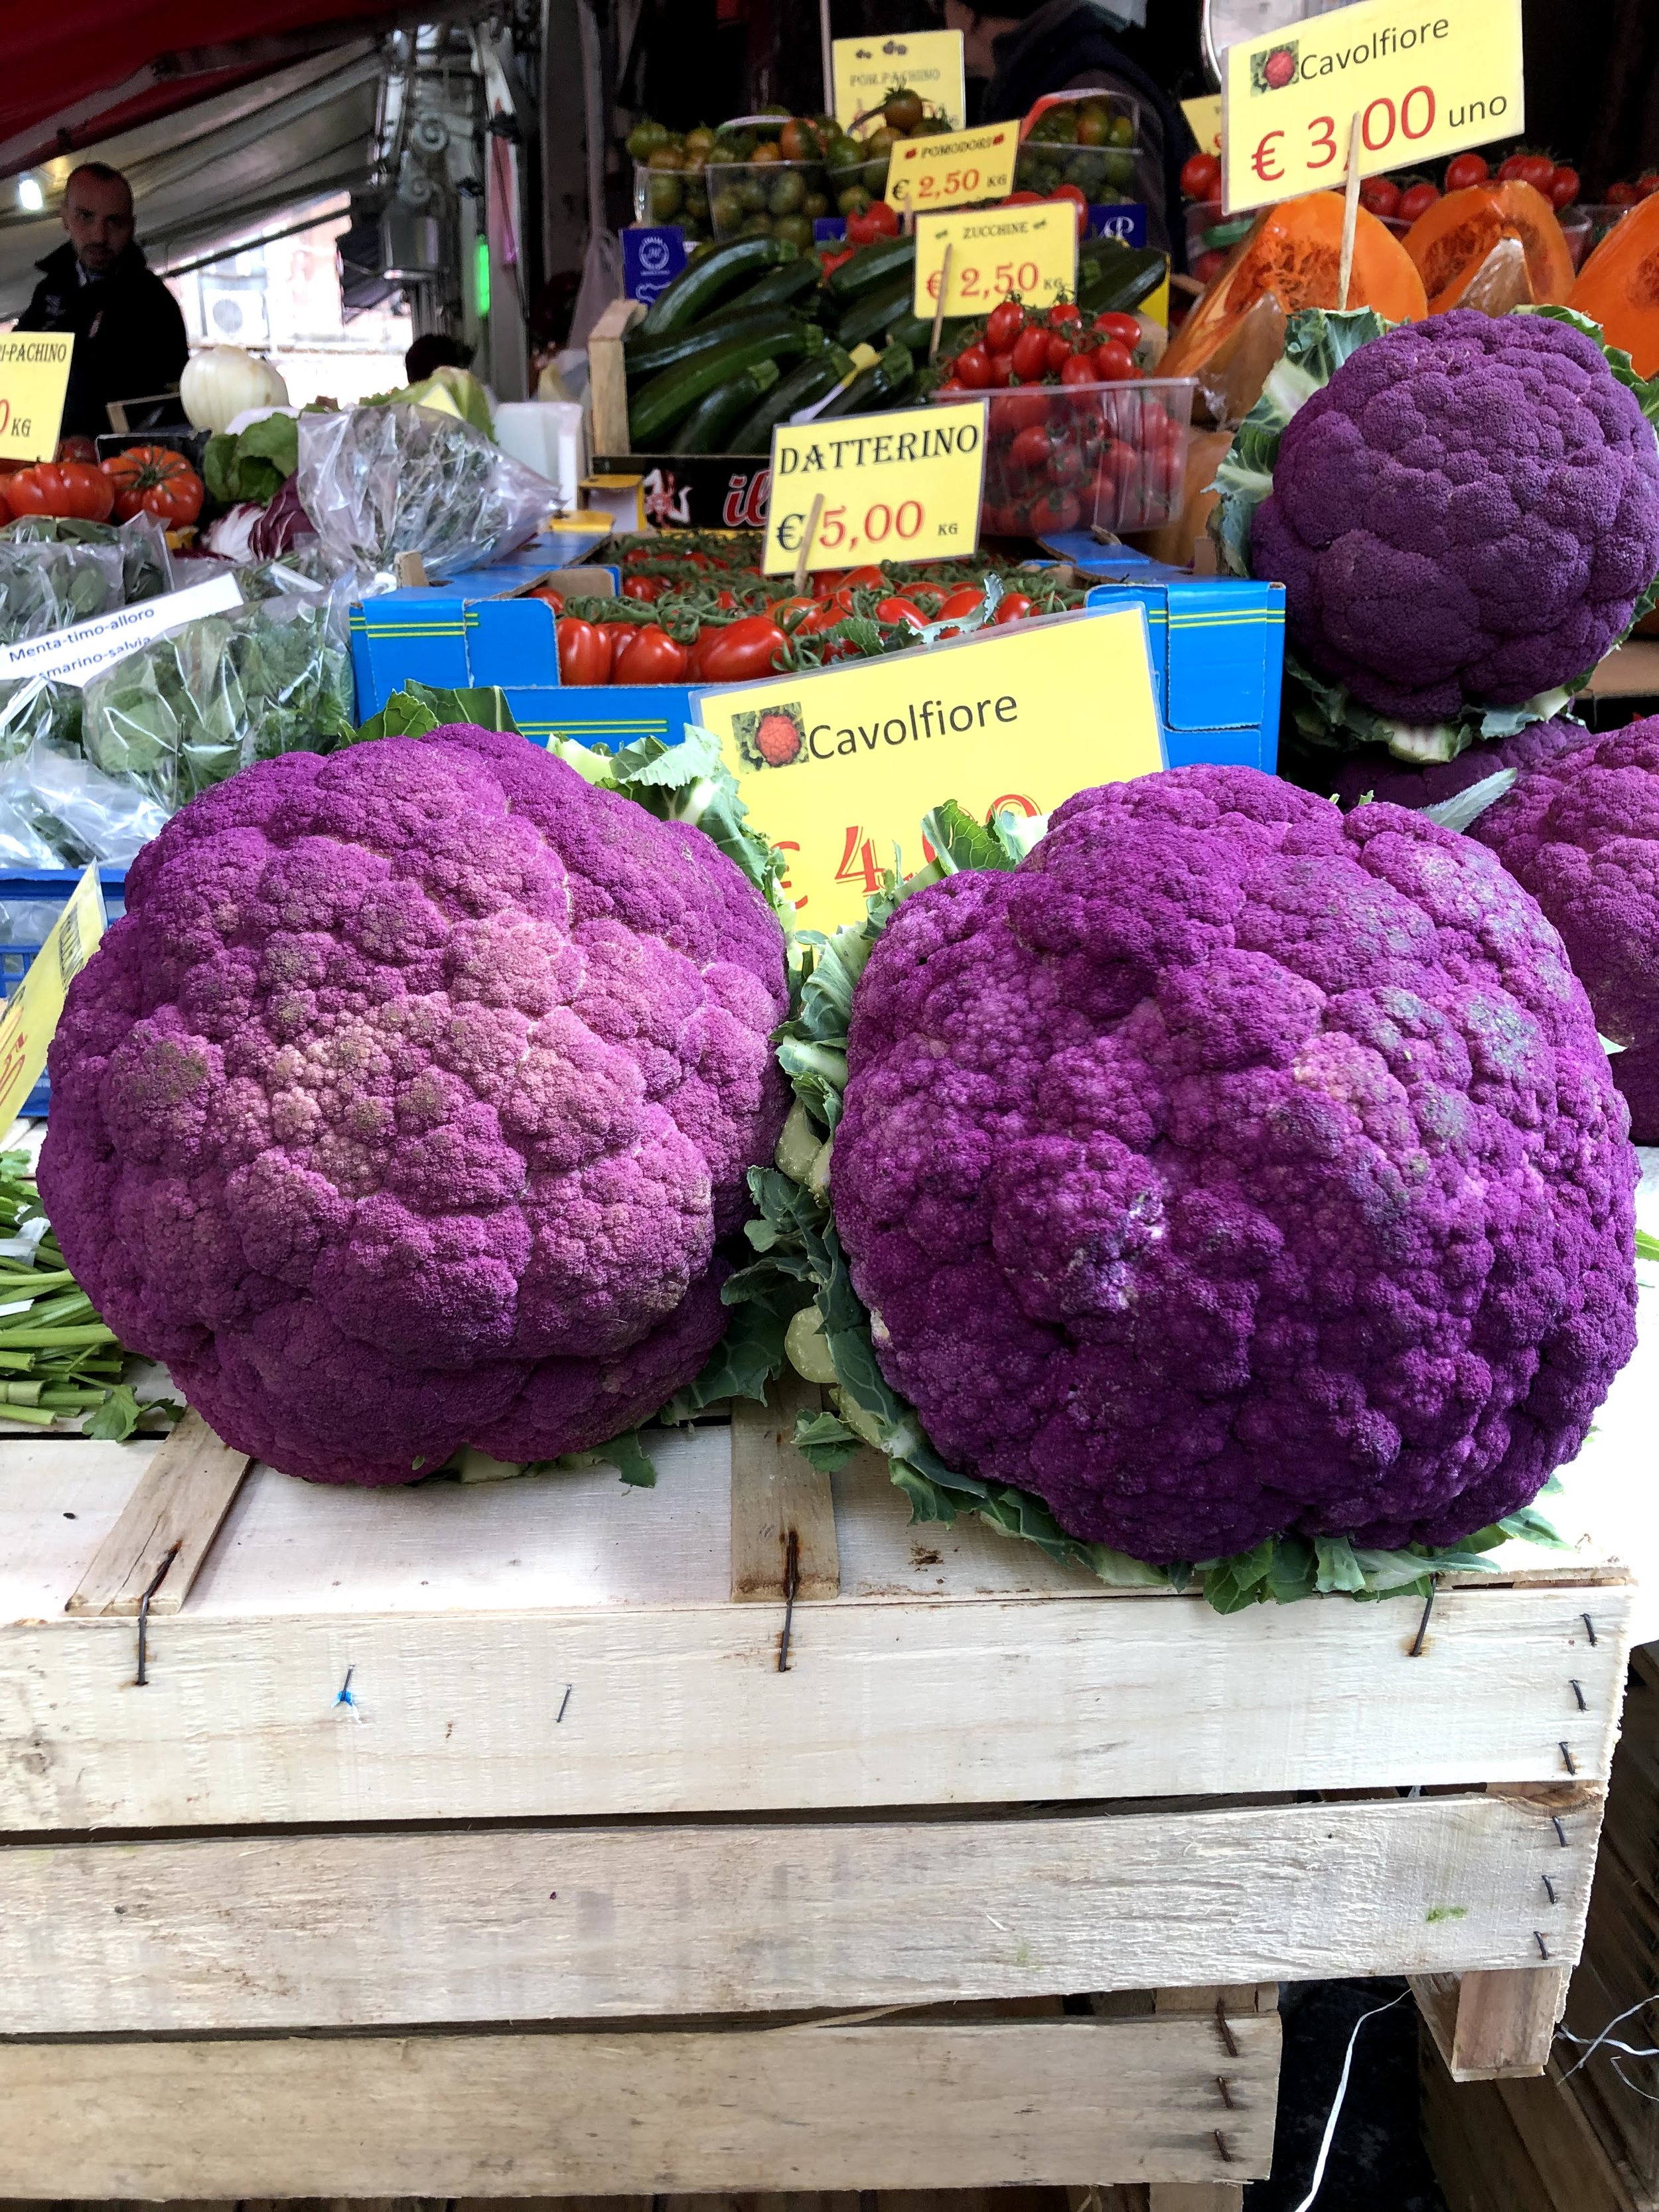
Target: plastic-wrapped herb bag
pixel 146 566
pixel 52 585
pixel 187 711
pixel 381 480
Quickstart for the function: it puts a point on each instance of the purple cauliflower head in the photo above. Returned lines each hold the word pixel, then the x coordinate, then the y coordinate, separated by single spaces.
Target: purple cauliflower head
pixel 1375 774
pixel 1467 511
pixel 407 1105
pixel 1581 831
pixel 1234 1167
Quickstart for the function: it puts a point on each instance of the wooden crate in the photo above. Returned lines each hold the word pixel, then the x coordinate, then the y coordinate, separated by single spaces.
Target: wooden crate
pixel 525 1838
pixel 607 379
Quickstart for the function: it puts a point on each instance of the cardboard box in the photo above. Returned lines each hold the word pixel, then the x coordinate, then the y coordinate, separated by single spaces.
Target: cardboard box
pixel 1218 646
pixel 450 638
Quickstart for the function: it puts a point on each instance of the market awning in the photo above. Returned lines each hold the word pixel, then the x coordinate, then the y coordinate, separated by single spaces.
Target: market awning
pixel 219 170
pixel 88 70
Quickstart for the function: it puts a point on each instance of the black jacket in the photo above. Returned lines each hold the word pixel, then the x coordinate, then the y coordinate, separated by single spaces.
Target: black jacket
pixel 130 336
pixel 1067 43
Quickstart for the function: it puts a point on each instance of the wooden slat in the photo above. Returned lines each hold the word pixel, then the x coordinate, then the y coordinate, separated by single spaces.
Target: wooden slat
pixel 355 1930
pixel 1493 2026
pixel 464 1715
pixel 174 1514
pixel 533 2115
pixel 607 378
pixel 1195 2196
pixel 776 1495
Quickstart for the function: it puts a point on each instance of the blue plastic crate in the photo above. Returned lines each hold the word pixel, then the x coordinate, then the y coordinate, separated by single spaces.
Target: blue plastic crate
pixel 41 886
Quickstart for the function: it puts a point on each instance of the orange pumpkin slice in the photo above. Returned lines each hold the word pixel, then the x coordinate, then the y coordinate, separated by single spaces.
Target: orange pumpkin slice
pixel 1294 251
pixel 1619 286
pixel 1449 242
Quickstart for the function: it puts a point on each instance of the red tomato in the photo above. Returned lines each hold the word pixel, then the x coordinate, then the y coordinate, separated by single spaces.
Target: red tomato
pixel 1647 184
pixel 897 609
pixel 1064 312
pixel 618 636
pixel 1013 606
pixel 1535 169
pixel 644 587
pixel 832 261
pixel 61 488
pixel 974 368
pixel 825 580
pixel 1022 199
pixel 1080 369
pixel 1466 170
pixel 555 600
pixel 1119 467
pixel 1079 199
pixel 1020 412
pixel 865 578
pixel 1565 187
pixel 789 612
pixel 1209 265
pixel 1029 450
pixel 743 649
pixel 1380 196
pixel 1200 177
pixel 155 480
pixel 584 653
pixel 1029 355
pixel 1417 199
pixel 966 600
pixel 1060 350
pixel 954 386
pixel 1055 510
pixel 75 448
pixel 1002 369
pixel 653 657
pixel 1622 196
pixel 1114 363
pixel 1003 325
pixel 878 220
pixel 1124 328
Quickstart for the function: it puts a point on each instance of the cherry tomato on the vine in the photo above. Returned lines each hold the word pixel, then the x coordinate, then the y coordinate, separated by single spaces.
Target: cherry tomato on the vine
pixel 584 653
pixel 1029 357
pixel 1003 325
pixel 1200 177
pixel 1464 170
pixel 652 656
pixel 1417 199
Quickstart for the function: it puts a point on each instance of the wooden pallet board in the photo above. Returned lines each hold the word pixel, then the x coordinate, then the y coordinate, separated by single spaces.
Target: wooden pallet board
pixel 527 2115
pixel 364 1929
pixel 569 1648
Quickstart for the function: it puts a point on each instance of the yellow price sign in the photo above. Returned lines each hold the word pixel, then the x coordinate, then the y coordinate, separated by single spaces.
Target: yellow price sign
pixel 31 1013
pixel 1204 121
pixel 903 486
pixel 839 767
pixel 35 370
pixel 958 166
pixel 865 70
pixel 997 253
pixel 1423 81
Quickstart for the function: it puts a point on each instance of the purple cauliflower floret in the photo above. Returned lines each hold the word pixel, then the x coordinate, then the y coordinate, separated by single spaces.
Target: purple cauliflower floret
pixel 1234 1167
pixel 1467 511
pixel 1375 774
pixel 407 1104
pixel 1582 833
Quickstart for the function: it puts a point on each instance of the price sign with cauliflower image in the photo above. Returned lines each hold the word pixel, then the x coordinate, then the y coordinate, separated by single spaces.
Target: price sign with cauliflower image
pixel 1422 82
pixel 838 768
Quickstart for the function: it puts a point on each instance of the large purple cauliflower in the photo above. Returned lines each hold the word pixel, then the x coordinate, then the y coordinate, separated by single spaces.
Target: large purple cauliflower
pixel 405 1108
pixel 1467 511
pixel 1376 774
pixel 1233 1167
pixel 1581 831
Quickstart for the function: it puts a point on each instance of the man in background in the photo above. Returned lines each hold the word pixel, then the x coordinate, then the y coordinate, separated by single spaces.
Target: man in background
pixel 130 341
pixel 1028 47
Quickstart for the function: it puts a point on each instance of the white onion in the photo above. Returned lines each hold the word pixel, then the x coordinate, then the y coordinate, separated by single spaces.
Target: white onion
pixel 219 384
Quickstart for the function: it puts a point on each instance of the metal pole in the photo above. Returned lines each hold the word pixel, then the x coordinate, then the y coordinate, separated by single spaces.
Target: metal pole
pixel 828 59
pixel 587 24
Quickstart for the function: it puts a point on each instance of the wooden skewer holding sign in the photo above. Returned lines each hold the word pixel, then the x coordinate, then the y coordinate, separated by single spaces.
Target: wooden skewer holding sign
pixel 808 535
pixel 1350 214
pixel 939 304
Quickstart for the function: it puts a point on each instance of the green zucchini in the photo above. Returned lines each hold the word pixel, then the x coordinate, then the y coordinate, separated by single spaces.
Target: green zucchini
pixel 916 331
pixel 664 402
pixel 778 288
pixel 706 428
pixel 803 387
pixel 870 266
pixel 869 316
pixel 686 345
pixel 1112 284
pixel 695 291
pixel 875 387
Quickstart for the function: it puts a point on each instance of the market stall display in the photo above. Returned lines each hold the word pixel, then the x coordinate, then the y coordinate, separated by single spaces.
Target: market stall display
pixel 1450 241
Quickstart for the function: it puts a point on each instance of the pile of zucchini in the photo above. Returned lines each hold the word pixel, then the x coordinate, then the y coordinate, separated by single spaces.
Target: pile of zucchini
pixel 753 332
